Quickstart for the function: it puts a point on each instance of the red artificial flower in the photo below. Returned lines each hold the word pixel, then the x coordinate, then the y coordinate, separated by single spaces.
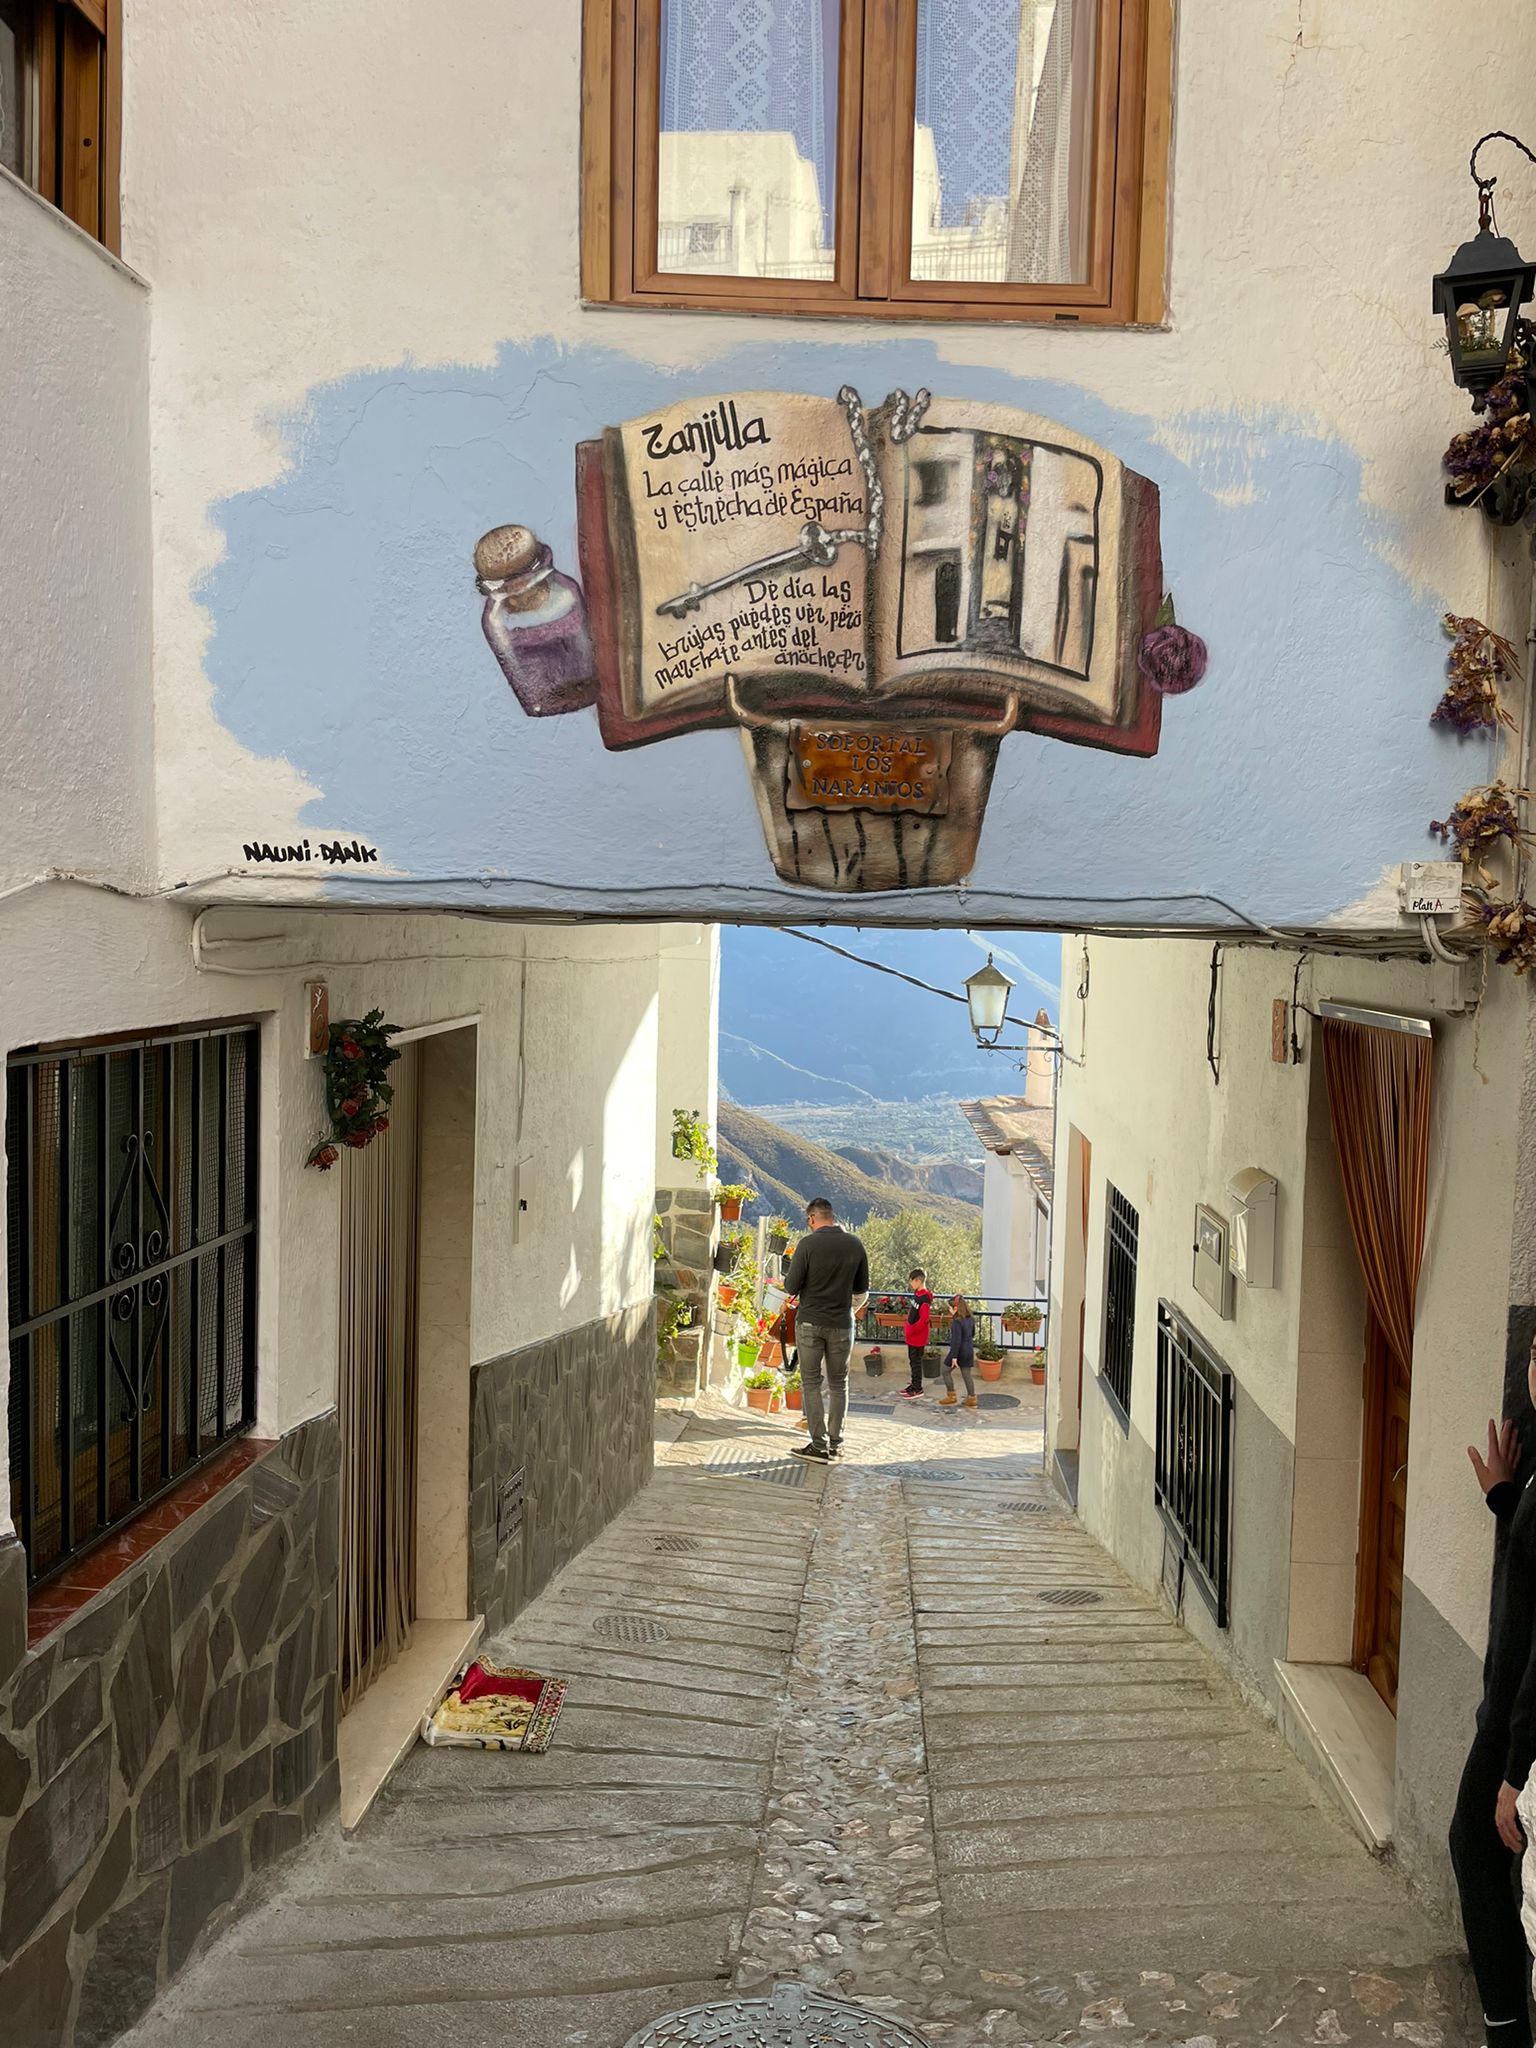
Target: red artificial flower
pixel 381 1123
pixel 351 1049
pixel 356 1139
pixel 1172 659
pixel 324 1156
pixel 351 1106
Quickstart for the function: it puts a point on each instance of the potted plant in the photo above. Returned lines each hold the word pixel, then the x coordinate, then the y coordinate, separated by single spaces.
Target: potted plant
pixel 759 1391
pixel 690 1140
pixel 989 1361
pixel 1022 1318
pixel 874 1361
pixel 731 1196
pixel 778 1235
pixel 890 1311
pixel 1037 1368
pixel 793 1392
pixel 725 1293
pixel 747 1355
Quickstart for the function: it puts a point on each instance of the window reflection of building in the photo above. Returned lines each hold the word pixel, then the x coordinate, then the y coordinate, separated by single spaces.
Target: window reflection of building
pixel 739 205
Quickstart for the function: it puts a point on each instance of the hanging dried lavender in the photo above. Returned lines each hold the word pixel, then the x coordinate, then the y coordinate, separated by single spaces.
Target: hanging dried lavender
pixel 1480 661
pixel 1476 457
pixel 1481 822
pixel 1511 929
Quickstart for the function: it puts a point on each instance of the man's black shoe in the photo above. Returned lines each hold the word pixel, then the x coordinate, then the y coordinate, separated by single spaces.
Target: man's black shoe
pixel 835 1450
pixel 818 1451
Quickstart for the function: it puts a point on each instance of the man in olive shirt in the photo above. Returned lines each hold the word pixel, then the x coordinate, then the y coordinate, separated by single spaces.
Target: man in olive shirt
pixel 828 1278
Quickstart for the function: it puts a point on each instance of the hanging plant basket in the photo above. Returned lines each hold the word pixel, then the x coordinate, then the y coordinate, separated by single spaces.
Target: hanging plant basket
pixel 727 1293
pixel 730 1208
pixel 357 1096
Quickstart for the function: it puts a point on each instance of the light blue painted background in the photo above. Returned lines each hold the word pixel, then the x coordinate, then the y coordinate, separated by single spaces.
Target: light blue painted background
pixel 346 638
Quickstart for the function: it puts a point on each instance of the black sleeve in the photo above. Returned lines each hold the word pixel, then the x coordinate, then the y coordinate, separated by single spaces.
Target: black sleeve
pixel 799 1268
pixel 1522 1725
pixel 861 1269
pixel 1503 1499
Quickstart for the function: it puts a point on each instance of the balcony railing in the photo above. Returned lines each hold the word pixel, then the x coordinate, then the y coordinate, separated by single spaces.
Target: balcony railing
pixel 877 1326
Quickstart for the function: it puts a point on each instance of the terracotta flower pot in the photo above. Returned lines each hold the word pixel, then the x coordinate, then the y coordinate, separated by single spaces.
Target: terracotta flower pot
pixel 730 1210
pixel 727 1294
pixel 1037 1372
pixel 759 1398
pixel 1015 1325
pixel 990 1368
pixel 792 1397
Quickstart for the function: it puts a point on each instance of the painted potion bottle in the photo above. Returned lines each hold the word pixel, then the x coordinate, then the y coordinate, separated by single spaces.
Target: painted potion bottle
pixel 535 621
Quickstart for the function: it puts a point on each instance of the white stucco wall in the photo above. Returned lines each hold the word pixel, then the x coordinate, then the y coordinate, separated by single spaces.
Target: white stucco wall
pixel 1168 1136
pixel 385 197
pixel 76 777
pixel 577 1007
pixel 688 1042
pixel 1014 1245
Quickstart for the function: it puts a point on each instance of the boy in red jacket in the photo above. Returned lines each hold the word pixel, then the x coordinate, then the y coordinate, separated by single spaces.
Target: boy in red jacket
pixel 919 1321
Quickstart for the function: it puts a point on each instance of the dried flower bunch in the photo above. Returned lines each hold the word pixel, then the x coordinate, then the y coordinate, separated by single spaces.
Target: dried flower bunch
pixel 1481 822
pixel 1511 929
pixel 1476 457
pixel 1480 661
pixel 357 1096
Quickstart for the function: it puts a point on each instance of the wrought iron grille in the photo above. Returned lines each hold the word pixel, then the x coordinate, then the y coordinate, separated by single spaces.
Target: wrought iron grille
pixel 1120 1299
pixel 131 1232
pixel 1193 1460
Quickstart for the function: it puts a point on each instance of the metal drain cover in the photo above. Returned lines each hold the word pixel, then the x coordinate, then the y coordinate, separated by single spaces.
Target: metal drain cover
pixel 672 1543
pixel 792 2018
pixel 1069 1596
pixel 1022 1507
pixel 630 1628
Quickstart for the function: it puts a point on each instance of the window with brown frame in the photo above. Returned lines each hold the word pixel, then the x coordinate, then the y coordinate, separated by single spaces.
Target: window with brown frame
pixel 60 102
pixel 941 159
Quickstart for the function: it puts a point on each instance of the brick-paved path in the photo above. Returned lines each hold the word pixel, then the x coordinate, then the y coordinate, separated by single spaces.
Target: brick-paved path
pixel 858 1750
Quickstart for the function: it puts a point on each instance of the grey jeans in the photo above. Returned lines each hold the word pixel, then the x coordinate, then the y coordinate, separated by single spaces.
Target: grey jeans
pixel 831 1345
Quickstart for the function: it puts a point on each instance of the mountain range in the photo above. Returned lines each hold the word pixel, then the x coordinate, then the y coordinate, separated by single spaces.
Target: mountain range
pixel 788 1171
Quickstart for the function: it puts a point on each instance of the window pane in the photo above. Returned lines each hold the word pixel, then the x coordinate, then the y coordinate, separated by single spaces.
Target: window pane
pixel 15 143
pixel 1003 157
pixel 748 155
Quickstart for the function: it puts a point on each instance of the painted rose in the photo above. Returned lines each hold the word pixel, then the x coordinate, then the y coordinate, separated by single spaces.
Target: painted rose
pixel 1172 659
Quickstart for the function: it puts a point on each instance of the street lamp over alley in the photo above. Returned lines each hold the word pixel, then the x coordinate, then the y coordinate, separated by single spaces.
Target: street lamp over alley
pixel 1481 290
pixel 987 992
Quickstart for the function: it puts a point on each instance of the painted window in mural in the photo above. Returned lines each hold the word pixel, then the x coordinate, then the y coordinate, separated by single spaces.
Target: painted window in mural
pixel 960 158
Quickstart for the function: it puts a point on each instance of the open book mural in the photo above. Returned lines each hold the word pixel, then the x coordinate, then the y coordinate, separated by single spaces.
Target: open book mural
pixel 875 598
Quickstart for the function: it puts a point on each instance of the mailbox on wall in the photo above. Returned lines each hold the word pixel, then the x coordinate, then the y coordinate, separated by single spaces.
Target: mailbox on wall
pixel 1251 1247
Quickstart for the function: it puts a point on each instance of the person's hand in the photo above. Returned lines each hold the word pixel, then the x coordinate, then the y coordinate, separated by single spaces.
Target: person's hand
pixel 1503 1457
pixel 1508 1820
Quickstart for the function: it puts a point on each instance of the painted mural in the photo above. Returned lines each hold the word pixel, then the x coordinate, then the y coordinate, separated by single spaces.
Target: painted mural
pixel 873 597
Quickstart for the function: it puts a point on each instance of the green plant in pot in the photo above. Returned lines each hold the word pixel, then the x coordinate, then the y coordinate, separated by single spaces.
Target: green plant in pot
pixel 731 1195
pixel 793 1391
pixel 989 1361
pixel 690 1140
pixel 760 1388
pixel 778 1234
pixel 874 1361
pixel 1022 1318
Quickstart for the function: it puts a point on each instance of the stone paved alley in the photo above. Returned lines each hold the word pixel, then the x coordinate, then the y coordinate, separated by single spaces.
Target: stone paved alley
pixel 897 1729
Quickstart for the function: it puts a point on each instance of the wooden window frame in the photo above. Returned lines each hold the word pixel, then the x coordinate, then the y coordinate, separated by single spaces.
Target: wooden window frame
pixel 878 57
pixel 76 78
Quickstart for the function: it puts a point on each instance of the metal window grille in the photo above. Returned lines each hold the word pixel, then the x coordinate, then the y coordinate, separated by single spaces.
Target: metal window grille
pixel 1193 1461
pixel 1120 1299
pixel 131 1231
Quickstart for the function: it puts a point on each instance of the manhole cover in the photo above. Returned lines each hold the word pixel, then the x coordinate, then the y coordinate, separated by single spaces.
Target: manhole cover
pixel 997 1401
pixel 728 1463
pixel 1069 1596
pixel 673 1543
pixel 792 2018
pixel 629 1628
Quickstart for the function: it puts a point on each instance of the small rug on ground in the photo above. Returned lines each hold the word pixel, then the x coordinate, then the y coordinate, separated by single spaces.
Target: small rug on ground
pixel 497 1706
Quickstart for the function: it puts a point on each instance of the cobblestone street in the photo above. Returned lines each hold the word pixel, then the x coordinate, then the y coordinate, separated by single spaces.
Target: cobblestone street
pixel 896 1729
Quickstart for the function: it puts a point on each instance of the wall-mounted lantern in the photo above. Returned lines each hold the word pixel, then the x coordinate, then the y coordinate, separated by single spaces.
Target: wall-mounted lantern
pixel 1481 290
pixel 987 992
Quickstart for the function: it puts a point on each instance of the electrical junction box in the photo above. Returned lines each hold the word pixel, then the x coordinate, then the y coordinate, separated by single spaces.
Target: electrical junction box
pixel 1431 888
pixel 1251 1242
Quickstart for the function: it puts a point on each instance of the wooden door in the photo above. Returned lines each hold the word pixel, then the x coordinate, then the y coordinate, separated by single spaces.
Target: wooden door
pixel 1383 1516
pixel 376 1393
